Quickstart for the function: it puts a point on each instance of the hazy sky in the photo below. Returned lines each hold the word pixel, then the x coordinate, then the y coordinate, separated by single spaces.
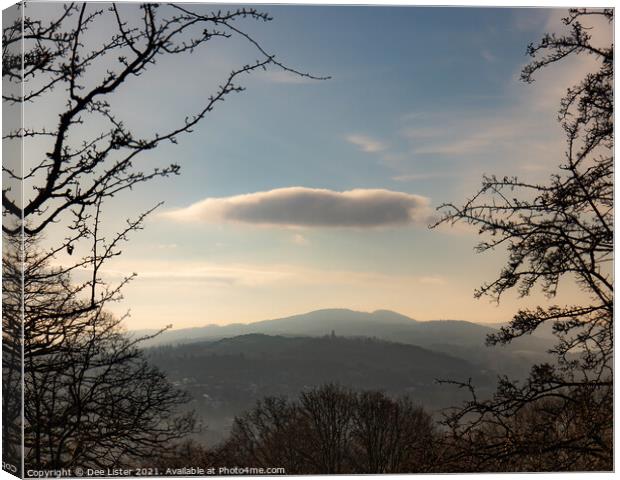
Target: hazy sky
pixel 297 194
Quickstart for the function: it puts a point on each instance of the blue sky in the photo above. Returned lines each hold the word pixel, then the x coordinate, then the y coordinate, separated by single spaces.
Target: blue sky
pixel 421 103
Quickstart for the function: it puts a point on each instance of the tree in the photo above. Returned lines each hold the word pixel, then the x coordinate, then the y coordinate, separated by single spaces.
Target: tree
pixel 555 231
pixel 88 391
pixel 330 429
pixel 12 412
pixel 91 154
pixel 390 436
pixel 77 172
pixel 11 357
pixel 328 412
pixel 269 434
pixel 91 399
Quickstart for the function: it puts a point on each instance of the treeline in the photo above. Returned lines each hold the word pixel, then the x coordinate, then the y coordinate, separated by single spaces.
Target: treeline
pixel 334 430
pixel 327 430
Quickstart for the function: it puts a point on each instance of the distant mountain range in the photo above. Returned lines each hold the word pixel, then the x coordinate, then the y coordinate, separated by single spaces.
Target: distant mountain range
pixel 455 337
pixel 228 368
pixel 381 324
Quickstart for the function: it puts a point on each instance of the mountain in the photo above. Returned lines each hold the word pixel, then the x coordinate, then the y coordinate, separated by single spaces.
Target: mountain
pixel 381 323
pixel 228 368
pixel 318 322
pixel 226 377
pixel 460 338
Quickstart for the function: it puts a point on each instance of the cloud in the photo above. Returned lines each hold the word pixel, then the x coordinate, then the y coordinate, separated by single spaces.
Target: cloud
pixel 257 275
pixel 299 239
pixel 310 207
pixel 488 56
pixel 167 246
pixel 473 134
pixel 523 132
pixel 366 144
pixel 209 273
pixel 420 132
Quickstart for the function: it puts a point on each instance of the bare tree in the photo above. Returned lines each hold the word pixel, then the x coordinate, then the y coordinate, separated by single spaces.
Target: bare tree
pixel 390 436
pixel 328 413
pixel 90 396
pixel 11 355
pixel 91 399
pixel 12 411
pixel 91 154
pixel 269 434
pixel 77 172
pixel 554 231
pixel 331 429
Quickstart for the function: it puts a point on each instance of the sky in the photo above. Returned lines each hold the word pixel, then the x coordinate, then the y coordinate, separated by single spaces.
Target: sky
pixel 301 194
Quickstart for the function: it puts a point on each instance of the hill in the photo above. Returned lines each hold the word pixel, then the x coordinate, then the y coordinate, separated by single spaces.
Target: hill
pixel 227 376
pixel 381 323
pixel 460 338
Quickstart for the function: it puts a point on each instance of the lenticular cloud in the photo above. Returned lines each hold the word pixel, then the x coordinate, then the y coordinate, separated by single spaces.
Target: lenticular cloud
pixel 310 207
